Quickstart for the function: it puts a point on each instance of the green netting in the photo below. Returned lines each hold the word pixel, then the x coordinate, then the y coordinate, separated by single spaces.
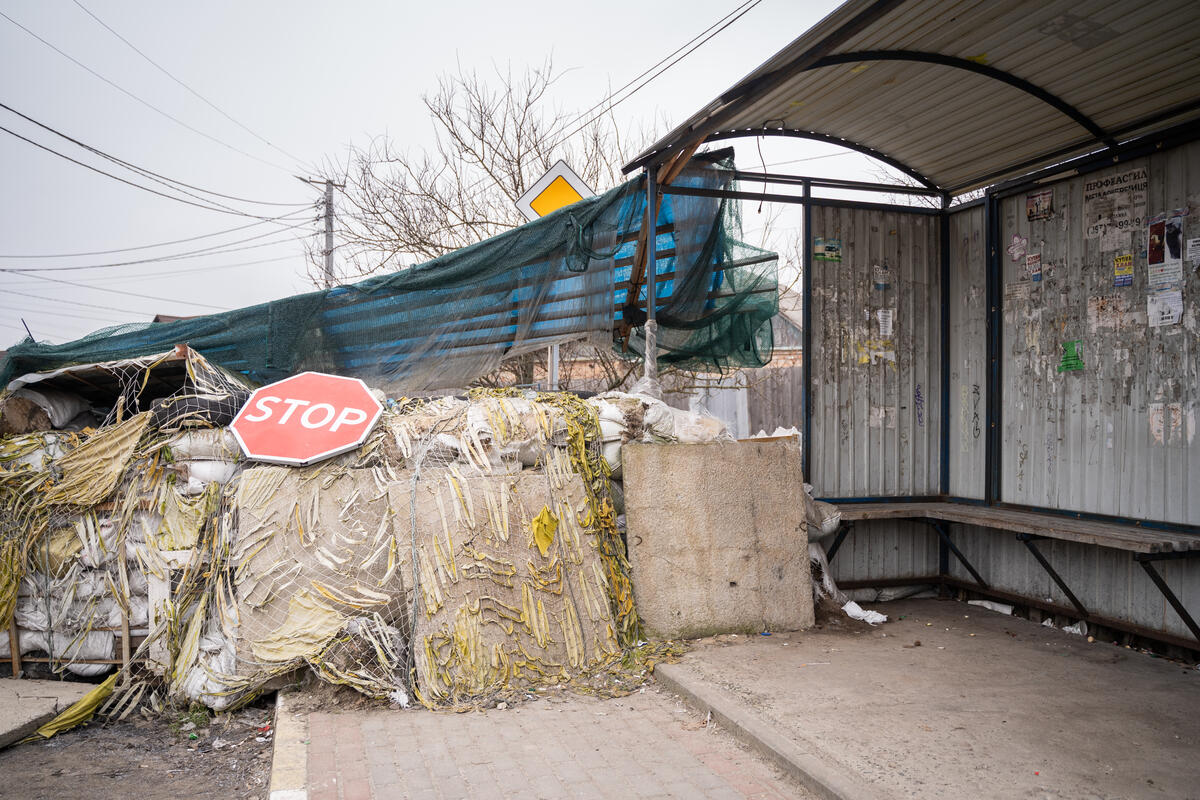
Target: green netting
pixel 448 321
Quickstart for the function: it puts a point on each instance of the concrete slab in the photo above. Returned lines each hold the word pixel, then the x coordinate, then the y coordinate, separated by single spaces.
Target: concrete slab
pixel 27 705
pixel 722 546
pixel 950 700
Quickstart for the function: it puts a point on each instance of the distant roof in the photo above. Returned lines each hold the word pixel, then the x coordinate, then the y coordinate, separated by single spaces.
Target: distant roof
pixel 960 94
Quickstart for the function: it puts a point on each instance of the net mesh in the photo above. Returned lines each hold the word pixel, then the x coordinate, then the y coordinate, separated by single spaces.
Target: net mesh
pixel 444 323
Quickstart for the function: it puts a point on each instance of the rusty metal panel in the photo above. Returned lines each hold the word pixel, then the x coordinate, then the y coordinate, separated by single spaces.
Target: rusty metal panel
pixel 875 362
pixel 968 353
pixel 1117 436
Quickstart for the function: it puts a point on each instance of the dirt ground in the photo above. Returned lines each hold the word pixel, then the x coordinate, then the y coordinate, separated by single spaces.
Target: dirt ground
pixel 150 757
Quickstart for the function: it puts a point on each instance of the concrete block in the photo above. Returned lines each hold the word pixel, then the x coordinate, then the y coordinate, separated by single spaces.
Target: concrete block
pixel 717 537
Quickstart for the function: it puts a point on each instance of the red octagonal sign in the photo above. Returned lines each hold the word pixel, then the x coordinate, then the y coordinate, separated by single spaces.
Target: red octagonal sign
pixel 306 418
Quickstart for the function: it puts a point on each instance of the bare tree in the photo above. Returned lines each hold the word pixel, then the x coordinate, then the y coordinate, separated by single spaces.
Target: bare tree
pixel 493 138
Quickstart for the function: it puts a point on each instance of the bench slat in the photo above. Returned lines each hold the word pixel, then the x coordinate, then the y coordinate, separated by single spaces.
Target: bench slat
pixel 1052 526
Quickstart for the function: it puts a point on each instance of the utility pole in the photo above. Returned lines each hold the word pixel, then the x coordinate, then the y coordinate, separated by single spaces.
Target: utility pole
pixel 328 252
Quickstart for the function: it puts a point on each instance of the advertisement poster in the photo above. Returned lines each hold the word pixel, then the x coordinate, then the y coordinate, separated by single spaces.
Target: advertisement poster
pixel 1123 270
pixel 1039 205
pixel 1033 265
pixel 1193 252
pixel 1117 201
pixel 1164 307
pixel 885 317
pixel 882 276
pixel 1072 356
pixel 1164 250
pixel 827 249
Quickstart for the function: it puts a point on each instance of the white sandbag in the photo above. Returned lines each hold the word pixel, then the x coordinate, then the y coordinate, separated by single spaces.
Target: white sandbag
pixel 214 444
pixel 828 514
pixel 991 605
pixel 60 406
pixel 99 540
pixel 195 476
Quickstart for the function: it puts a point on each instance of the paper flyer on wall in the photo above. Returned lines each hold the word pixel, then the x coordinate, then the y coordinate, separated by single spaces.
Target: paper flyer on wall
pixel 1033 265
pixel 1164 249
pixel 1123 270
pixel 1039 205
pixel 1193 252
pixel 1164 307
pixel 886 316
pixel 1115 201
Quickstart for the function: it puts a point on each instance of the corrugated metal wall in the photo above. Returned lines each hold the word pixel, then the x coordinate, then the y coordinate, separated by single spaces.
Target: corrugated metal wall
pixel 1117 437
pixel 886 549
pixel 775 398
pixel 968 353
pixel 876 393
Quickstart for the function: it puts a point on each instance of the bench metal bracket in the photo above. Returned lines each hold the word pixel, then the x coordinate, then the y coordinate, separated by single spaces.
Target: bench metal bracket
pixel 944 565
pixel 1146 559
pixel 1028 540
pixel 845 529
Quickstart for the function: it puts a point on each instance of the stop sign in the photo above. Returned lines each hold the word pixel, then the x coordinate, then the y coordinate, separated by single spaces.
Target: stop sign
pixel 306 418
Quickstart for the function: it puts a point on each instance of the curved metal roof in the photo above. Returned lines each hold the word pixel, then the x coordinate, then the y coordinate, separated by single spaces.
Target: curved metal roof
pixel 964 93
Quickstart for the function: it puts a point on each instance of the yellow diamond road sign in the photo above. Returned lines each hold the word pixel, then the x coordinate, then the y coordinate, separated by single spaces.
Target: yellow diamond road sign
pixel 557 188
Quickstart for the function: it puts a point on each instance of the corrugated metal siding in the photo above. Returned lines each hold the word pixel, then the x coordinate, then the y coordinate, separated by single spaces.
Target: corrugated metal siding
pixel 1108 582
pixel 1117 437
pixel 1116 63
pixel 775 398
pixel 876 400
pixel 968 353
pixel 887 550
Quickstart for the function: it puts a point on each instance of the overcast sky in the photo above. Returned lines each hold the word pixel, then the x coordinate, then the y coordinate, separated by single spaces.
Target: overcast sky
pixel 308 77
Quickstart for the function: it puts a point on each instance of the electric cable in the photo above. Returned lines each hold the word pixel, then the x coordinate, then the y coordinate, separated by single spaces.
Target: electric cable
pixel 164 71
pixel 148 105
pixel 217 208
pixel 156 244
pixel 144 172
pixel 218 249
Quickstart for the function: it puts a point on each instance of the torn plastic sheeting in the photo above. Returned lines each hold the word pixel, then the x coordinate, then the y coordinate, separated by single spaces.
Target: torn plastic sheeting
pixel 855 611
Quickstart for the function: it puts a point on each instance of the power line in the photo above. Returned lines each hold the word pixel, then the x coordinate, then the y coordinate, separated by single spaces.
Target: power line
pixel 219 249
pixel 56 312
pixel 164 71
pixel 673 59
pixel 217 208
pixel 157 244
pixel 85 305
pixel 148 105
pixel 129 294
pixel 171 273
pixel 147 173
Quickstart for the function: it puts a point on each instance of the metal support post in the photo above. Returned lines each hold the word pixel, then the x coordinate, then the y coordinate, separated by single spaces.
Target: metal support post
pixel 806 353
pixel 944 347
pixel 940 527
pixel 1028 540
pixel 943 567
pixel 993 299
pixel 1145 560
pixel 651 272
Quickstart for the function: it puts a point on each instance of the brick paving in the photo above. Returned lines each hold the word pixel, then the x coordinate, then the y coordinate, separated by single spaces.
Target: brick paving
pixel 647 745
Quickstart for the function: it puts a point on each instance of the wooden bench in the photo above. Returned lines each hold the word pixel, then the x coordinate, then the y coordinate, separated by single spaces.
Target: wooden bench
pixel 1146 545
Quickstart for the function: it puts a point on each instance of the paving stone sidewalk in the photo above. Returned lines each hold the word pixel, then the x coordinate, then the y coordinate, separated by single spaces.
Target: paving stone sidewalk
pixel 565 746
